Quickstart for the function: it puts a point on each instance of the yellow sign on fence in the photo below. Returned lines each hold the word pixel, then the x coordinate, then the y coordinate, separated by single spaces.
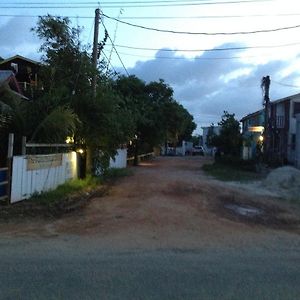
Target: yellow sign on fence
pixel 36 162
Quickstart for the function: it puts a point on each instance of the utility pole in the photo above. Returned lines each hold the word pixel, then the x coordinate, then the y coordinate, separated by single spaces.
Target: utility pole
pixel 265 85
pixel 89 149
pixel 95 49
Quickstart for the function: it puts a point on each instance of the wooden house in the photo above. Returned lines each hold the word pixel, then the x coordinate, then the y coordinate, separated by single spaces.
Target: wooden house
pixel 25 70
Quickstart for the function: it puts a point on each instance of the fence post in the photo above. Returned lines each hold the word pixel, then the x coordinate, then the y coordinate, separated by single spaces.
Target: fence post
pixel 10 150
pixel 23 145
pixel 10 154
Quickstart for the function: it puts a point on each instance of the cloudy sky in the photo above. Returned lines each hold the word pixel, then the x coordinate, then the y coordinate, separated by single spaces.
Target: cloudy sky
pixel 213 53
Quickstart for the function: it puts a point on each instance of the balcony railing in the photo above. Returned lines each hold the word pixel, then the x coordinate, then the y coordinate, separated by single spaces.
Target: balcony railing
pixel 25 86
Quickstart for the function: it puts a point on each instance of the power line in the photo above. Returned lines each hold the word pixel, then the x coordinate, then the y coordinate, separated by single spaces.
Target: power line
pixel 206 50
pixel 208 17
pixel 36 16
pixel 286 85
pixel 128 4
pixel 167 17
pixel 202 33
pixel 135 2
pixel 194 58
pixel 115 49
pixel 109 63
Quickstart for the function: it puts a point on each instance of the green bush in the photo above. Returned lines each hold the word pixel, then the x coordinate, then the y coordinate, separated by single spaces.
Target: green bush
pixel 236 162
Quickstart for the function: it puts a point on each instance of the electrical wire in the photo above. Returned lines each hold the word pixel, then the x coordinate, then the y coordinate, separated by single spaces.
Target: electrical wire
pixel 202 33
pixel 193 58
pixel 207 50
pixel 285 84
pixel 128 4
pixel 134 2
pixel 167 17
pixel 115 49
pixel 109 63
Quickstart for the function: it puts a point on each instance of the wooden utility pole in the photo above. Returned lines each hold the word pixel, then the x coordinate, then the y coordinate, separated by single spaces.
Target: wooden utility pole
pixel 89 150
pixel 265 85
pixel 95 49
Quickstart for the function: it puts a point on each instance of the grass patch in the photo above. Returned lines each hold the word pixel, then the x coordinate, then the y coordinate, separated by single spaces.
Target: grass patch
pixel 64 190
pixel 226 172
pixel 74 186
pixel 113 174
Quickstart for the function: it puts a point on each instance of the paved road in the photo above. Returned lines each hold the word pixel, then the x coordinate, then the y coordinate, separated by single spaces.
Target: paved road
pixel 77 268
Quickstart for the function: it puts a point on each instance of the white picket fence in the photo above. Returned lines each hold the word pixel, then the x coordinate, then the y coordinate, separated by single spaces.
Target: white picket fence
pixel 39 173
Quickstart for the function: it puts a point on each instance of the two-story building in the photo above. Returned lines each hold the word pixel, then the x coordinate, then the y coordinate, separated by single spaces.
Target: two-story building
pixel 25 71
pixel 282 130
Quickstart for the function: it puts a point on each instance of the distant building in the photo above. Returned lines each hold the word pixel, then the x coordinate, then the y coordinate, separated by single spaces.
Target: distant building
pixel 207 133
pixel 25 71
pixel 252 129
pixel 283 129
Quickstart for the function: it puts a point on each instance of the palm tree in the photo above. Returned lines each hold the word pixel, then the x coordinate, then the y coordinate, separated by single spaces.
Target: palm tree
pixel 40 120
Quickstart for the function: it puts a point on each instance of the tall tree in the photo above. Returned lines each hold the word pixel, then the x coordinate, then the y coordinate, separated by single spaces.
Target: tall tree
pixel 68 72
pixel 229 140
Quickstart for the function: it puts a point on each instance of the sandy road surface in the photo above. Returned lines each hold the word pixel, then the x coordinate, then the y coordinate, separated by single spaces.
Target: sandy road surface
pixel 163 233
pixel 170 203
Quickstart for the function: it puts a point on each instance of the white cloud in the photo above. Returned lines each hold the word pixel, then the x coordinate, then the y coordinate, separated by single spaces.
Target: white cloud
pixel 207 86
pixel 16 38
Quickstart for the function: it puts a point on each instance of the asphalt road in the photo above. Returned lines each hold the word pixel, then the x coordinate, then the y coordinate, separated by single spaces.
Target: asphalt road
pixel 72 267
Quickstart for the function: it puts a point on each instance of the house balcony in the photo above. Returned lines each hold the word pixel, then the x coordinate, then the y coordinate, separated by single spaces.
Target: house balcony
pixel 27 86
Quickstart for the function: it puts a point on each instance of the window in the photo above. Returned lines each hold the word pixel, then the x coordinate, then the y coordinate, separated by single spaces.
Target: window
pixel 296 108
pixel 293 143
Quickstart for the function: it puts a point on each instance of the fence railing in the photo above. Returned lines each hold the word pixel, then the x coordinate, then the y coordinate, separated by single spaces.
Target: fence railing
pixel 141 157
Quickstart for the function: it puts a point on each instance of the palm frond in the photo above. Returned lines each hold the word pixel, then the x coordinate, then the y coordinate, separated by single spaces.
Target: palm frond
pixel 57 125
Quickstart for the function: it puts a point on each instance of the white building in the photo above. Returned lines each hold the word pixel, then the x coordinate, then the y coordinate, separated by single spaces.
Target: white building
pixel 207 131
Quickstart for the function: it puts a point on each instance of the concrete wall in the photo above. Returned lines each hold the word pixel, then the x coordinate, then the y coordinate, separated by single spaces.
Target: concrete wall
pixel 120 160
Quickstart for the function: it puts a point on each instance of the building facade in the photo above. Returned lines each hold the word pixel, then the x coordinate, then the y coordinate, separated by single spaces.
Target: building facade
pixel 208 132
pixel 282 130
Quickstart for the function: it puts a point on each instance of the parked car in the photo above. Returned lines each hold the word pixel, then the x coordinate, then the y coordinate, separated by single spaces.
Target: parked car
pixel 198 150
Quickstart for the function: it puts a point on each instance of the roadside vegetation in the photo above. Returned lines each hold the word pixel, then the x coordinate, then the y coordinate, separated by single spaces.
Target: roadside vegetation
pixel 228 165
pixel 232 172
pixel 67 197
pixel 85 185
pixel 117 110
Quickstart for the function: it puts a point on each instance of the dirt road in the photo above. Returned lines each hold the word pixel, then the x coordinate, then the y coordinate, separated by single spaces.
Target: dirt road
pixel 169 202
pixel 166 232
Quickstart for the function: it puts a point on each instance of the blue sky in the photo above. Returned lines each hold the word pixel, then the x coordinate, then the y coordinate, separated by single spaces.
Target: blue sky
pixel 206 80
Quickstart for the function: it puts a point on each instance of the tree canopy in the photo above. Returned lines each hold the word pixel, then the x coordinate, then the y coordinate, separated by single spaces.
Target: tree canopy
pixel 124 109
pixel 229 140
